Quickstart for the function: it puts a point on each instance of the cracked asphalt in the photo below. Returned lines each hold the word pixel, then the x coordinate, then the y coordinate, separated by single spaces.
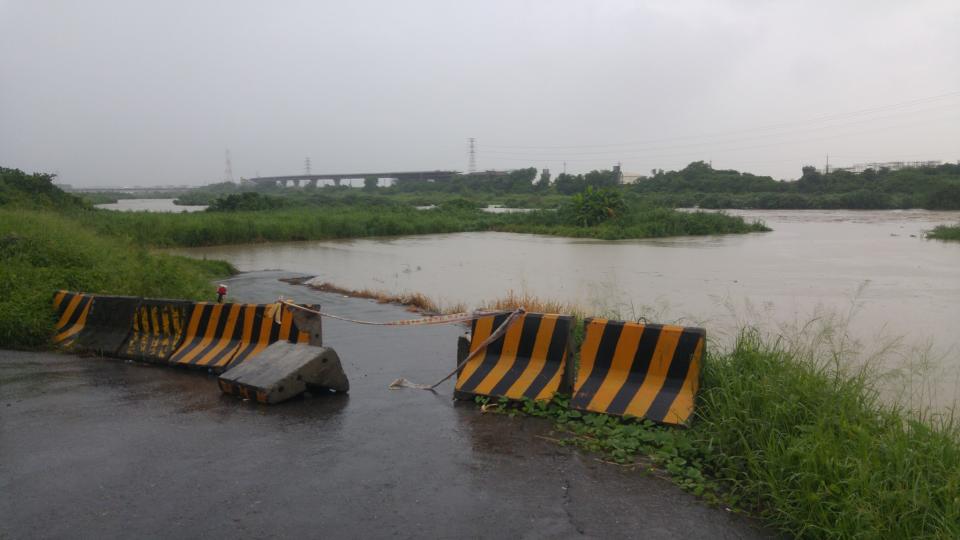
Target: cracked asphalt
pixel 94 447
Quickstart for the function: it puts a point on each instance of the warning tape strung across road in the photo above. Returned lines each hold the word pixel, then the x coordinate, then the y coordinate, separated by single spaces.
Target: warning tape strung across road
pixel 438 319
pixel 482 347
pixel 441 319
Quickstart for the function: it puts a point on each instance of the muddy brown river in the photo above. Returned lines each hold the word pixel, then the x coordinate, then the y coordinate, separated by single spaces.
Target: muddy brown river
pixel 856 281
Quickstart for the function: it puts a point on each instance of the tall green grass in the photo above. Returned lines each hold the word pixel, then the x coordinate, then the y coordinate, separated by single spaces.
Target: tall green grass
pixel 218 228
pixel 945 232
pixel 808 444
pixel 43 251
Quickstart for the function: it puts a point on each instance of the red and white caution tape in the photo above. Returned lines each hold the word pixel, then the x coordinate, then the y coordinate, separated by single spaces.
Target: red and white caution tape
pixel 438 319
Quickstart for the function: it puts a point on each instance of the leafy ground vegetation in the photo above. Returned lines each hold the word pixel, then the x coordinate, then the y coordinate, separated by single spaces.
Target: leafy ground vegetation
pixel 45 247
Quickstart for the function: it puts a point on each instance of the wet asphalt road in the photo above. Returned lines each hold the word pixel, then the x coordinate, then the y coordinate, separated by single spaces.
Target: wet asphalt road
pixel 95 447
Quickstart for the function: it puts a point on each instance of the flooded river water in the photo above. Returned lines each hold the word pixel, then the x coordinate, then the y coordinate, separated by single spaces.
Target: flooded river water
pixel 816 269
pixel 149 205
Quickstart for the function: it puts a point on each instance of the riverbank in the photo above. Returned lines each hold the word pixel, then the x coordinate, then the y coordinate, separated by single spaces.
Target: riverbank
pixel 945 232
pixel 44 251
pixel 788 433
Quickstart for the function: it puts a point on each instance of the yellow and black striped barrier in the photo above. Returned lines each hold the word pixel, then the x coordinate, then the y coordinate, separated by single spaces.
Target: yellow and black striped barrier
pixel 72 310
pixel 218 335
pixel 644 370
pixel 529 361
pixel 157 330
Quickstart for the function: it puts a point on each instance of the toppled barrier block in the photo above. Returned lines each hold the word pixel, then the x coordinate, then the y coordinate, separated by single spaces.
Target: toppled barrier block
pixel 644 370
pixel 285 370
pixel 529 361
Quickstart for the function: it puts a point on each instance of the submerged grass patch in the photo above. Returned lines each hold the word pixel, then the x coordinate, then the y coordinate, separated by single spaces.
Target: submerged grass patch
pixel 945 232
pixel 641 222
pixel 417 302
pixel 357 221
pixel 43 252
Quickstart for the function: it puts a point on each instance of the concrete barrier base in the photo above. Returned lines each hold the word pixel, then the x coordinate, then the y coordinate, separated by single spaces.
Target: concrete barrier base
pixel 285 370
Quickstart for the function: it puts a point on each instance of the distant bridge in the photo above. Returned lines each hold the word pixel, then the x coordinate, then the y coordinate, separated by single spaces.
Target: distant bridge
pixel 128 190
pixel 313 179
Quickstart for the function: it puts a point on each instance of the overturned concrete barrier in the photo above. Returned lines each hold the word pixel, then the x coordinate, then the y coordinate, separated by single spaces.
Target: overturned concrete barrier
pixel 644 370
pixel 285 370
pixel 529 361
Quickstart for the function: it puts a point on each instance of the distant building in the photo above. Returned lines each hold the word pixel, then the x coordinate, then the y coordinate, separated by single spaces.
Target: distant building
pixel 631 178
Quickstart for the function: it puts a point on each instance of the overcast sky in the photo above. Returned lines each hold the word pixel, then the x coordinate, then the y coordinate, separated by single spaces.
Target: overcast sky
pixel 111 93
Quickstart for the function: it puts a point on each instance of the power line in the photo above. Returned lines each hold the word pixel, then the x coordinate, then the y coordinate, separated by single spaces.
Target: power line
pixel 694 154
pixel 818 119
pixel 767 136
pixel 692 148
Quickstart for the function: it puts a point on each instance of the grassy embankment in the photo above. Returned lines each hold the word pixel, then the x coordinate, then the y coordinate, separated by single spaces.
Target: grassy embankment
pixel 945 232
pixel 44 247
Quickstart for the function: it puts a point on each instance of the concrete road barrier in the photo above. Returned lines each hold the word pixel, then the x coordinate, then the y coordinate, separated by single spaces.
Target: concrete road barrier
pixel 529 361
pixel 644 370
pixel 212 336
pixel 107 325
pixel 71 310
pixel 220 335
pixel 285 370
pixel 156 330
pixel 260 329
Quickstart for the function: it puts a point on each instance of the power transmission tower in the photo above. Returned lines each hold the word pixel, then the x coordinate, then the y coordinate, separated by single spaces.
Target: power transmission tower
pixel 306 166
pixel 472 164
pixel 228 169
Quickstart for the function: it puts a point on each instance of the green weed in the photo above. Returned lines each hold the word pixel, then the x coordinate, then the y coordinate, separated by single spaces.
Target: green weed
pixel 43 252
